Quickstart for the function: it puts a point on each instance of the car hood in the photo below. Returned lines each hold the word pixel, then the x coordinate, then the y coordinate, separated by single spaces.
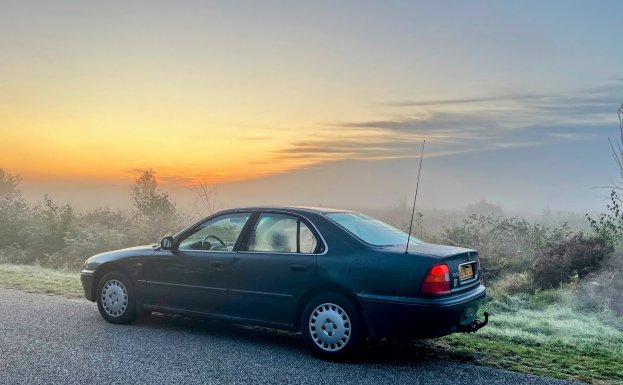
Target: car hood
pixel 431 249
pixel 133 250
pixel 108 256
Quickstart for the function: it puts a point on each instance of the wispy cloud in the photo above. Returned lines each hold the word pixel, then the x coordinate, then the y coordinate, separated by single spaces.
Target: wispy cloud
pixel 458 101
pixel 465 124
pixel 255 138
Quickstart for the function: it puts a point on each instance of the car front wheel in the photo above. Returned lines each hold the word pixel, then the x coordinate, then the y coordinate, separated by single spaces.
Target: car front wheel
pixel 115 298
pixel 332 326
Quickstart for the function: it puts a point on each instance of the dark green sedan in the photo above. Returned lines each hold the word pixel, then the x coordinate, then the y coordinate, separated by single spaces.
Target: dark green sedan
pixel 336 276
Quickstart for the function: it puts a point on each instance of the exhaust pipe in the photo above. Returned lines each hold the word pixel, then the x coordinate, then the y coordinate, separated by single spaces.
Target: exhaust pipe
pixel 475 325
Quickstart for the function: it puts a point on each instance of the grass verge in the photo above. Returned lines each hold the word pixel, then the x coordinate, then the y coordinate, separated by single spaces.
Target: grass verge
pixel 36 279
pixel 535 334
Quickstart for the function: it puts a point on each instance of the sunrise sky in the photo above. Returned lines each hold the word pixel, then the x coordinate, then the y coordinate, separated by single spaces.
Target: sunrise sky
pixel 317 102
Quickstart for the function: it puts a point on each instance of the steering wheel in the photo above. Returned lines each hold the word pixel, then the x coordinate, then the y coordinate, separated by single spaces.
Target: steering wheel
pixel 205 241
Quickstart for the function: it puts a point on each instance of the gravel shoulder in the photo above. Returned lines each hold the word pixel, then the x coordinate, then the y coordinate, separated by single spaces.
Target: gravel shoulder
pixel 47 339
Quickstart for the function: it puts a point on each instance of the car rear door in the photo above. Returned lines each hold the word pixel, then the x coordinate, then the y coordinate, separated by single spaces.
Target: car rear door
pixel 274 266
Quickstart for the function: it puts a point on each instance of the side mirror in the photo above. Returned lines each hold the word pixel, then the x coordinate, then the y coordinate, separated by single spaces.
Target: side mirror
pixel 166 243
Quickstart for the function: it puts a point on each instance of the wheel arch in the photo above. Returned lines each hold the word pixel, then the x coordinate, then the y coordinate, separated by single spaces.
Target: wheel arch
pixel 326 288
pixel 104 269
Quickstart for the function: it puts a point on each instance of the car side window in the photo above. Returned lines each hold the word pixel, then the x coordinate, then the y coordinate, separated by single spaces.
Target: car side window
pixel 217 234
pixel 279 233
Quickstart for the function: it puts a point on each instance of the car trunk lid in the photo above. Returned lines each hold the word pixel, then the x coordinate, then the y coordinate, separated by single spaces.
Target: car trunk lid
pixel 464 270
pixel 463 263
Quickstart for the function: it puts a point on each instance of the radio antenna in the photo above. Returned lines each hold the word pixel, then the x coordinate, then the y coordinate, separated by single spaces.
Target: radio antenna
pixel 415 198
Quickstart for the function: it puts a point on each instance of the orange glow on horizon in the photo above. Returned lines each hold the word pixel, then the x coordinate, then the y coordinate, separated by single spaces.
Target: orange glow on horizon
pixel 116 152
pixel 50 139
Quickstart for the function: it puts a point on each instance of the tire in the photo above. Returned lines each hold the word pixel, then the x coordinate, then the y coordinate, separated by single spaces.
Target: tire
pixel 332 326
pixel 116 300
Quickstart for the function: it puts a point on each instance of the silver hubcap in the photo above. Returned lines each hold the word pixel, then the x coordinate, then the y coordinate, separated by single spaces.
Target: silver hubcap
pixel 114 298
pixel 329 327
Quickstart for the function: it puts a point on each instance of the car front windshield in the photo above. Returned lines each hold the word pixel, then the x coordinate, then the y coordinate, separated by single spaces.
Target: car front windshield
pixel 370 230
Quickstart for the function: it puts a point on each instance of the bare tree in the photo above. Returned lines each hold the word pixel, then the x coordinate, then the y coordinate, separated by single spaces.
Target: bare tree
pixel 617 152
pixel 206 194
pixel 609 225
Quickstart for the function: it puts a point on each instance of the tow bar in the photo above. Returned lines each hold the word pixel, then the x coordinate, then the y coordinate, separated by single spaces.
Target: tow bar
pixel 475 325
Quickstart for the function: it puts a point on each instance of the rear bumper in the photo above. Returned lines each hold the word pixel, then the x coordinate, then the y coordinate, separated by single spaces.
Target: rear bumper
pixel 407 317
pixel 86 277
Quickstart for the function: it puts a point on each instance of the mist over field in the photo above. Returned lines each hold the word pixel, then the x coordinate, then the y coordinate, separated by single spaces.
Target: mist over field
pixel 395 208
pixel 450 183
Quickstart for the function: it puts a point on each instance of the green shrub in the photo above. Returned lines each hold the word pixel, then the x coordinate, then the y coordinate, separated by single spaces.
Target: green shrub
pixel 155 214
pixel 14 211
pixel 46 229
pixel 572 259
pixel 14 254
pixel 609 226
pixel 86 241
pixel 505 245
pixel 53 235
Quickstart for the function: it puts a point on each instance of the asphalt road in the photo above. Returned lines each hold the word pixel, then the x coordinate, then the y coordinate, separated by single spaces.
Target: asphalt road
pixel 54 340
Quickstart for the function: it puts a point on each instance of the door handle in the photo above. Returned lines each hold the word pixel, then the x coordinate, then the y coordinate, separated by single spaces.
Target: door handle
pixel 216 264
pixel 296 267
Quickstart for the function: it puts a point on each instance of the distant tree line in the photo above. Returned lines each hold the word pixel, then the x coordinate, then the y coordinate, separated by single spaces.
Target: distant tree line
pixel 56 236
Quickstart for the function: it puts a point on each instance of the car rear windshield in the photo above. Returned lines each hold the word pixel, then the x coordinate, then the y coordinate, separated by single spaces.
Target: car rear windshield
pixel 370 230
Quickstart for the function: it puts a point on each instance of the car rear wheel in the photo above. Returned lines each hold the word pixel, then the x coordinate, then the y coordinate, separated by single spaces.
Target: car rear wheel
pixel 332 326
pixel 115 298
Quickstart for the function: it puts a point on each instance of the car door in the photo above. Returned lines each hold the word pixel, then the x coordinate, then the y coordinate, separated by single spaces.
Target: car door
pixel 275 265
pixel 193 275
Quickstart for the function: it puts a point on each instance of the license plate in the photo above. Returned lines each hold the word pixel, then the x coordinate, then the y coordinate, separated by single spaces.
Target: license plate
pixel 466 271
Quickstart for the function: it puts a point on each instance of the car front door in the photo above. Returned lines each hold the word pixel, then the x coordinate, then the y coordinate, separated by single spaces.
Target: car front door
pixel 274 266
pixel 193 275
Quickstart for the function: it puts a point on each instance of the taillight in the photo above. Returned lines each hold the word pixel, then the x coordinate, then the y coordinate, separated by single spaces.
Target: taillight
pixel 437 280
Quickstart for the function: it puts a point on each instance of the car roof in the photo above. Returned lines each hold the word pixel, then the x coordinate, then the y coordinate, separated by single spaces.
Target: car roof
pixel 295 209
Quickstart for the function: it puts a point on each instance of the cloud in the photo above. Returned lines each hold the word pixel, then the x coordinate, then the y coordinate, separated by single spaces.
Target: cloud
pixel 596 99
pixel 471 124
pixel 460 101
pixel 254 138
pixel 572 135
